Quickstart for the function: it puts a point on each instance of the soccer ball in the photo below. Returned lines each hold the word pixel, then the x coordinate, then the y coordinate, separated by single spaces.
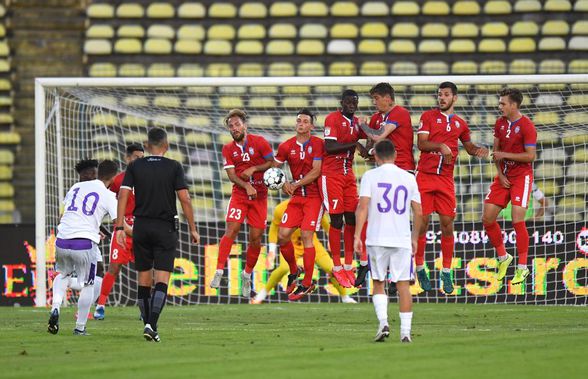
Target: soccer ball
pixel 274 178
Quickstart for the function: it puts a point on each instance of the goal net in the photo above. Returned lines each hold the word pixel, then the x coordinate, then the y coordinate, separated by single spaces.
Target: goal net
pixel 96 118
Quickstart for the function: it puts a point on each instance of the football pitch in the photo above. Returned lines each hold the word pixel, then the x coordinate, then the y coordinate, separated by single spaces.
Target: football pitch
pixel 301 341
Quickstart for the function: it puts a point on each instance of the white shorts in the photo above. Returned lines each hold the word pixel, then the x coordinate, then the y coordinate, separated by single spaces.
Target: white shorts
pixel 396 260
pixel 77 262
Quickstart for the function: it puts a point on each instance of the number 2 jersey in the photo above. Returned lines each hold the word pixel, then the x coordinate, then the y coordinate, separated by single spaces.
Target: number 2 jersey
pixel 300 158
pixel 513 138
pixel 85 205
pixel 441 128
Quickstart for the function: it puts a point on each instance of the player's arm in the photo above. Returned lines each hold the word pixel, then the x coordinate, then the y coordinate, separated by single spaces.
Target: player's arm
pixel 233 177
pixel 501 177
pixel 388 128
pixel 334 147
pixel 527 156
pixel 542 200
pixel 417 215
pixel 361 214
pixel 310 177
pixel 186 203
pixel 425 145
pixel 248 172
pixel 475 150
pixel 123 198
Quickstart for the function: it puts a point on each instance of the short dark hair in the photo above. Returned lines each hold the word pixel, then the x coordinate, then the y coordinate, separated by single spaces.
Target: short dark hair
pixel 156 136
pixel 514 94
pixel 238 113
pixel 107 169
pixel 85 164
pixel 385 149
pixel 307 112
pixel 132 147
pixel 349 92
pixel 382 89
pixel 450 85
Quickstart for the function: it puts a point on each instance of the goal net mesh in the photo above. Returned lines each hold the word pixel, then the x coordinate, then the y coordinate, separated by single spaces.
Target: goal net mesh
pixel 98 122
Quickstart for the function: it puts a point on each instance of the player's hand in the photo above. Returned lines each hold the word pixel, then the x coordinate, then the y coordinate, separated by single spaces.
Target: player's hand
pixel 289 188
pixel 128 229
pixel 482 152
pixel 251 191
pixel 120 237
pixel 362 151
pixel 102 236
pixel 446 152
pixel 357 244
pixel 195 237
pixel 245 175
pixel 504 181
pixel 498 156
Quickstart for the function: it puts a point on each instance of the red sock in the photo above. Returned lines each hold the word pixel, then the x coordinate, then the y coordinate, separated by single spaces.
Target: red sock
pixel 363 257
pixel 419 257
pixel 522 241
pixel 107 283
pixel 348 232
pixel 335 242
pixel 447 250
pixel 309 258
pixel 287 251
pixel 252 255
pixel 495 235
pixel 224 249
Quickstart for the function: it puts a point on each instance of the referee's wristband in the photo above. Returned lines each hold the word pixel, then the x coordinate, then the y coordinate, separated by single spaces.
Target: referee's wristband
pixel 119 228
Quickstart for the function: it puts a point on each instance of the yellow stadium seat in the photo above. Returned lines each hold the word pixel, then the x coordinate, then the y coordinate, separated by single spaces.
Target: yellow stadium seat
pixel 130 10
pixel 314 9
pixel 402 46
pixel 253 10
pixel 491 45
pixel 575 137
pixel 342 69
pixel 230 102
pixel 188 46
pixel 493 67
pixel 434 68
pixel 326 102
pixel 373 68
pixel 522 67
pixel 578 43
pixel 581 6
pixel 249 47
pixel 295 102
pixel 161 69
pixel 524 28
pixel 431 46
pixel 422 101
pixel 97 31
pixel 375 8
pixel 311 69
pixel 405 8
pixel 580 27
pixel 552 44
pixel 522 45
pixel 157 46
pixel 102 70
pixel 217 47
pixel 198 138
pixel 281 69
pixel 128 46
pixel 222 10
pixel 495 29
pixel 313 31
pixel 4 65
pixel 191 10
pixel 557 6
pixel 103 119
pixel 296 90
pixel 464 68
pixel 100 11
pixel 497 7
pixel 5 172
pixel 552 66
pixel 161 31
pixel 545 99
pixel 405 30
pixel 250 69
pixel 435 29
pixel 131 69
pixel 435 8
pixel 466 8
pixel 283 9
pixel 578 66
pixel 281 30
pixel 190 70
pixel 546 118
pixel 3 31
pixel 9 138
pixel 160 10
pixel 5 85
pixel 462 46
pixel 580 155
pixel 344 9
pixel 251 31
pixel 371 46
pixel 134 101
pixel 198 103
pixel 345 30
pixel 165 101
pixel 131 31
pixel 464 29
pixel 91 47
pixel 527 6
pixel 374 30
pixel 578 100
pixel 221 31
pixel 341 46
pixel 310 47
pixel 555 28
pixel 404 68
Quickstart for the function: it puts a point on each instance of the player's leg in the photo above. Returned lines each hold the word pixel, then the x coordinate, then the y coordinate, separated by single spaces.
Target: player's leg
pixel 496 199
pixel 400 268
pixel 144 266
pixel 119 255
pixel 287 254
pixel 419 257
pixel 60 284
pixel 405 309
pixel 363 262
pixel 447 247
pixel 520 193
pixel 86 266
pixel 379 262
pixel 253 250
pixel 309 257
pixel 224 249
pixel 350 201
pixel 273 280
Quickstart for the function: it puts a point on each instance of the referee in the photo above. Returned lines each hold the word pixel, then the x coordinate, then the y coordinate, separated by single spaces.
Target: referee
pixel 155 180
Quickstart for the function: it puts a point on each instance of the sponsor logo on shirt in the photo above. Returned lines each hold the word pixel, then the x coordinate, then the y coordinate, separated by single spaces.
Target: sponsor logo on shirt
pixel 518 198
pixel 439 121
pixel 251 151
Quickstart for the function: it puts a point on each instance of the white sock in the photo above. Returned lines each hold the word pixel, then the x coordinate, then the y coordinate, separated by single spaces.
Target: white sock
pixel 246 274
pixel 405 323
pixel 97 288
pixel 347 267
pixel 337 268
pixel 420 267
pixel 502 258
pixel 363 263
pixel 261 295
pixel 446 269
pixel 84 304
pixel 219 272
pixel 521 267
pixel 381 307
pixel 59 289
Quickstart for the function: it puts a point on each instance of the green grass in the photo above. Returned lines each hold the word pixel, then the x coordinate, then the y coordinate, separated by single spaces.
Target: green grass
pixel 301 341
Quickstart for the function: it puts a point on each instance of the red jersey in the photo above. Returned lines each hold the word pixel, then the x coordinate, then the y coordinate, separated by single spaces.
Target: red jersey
pixel 513 137
pixel 402 137
pixel 441 128
pixel 300 158
pixel 343 130
pixel 115 187
pixel 254 151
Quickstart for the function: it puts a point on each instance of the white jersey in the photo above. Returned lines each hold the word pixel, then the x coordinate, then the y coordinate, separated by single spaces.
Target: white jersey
pixel 85 205
pixel 391 191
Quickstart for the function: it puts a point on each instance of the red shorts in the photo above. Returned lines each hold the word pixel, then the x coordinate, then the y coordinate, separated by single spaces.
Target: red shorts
pixel 254 211
pixel 518 194
pixel 121 254
pixel 304 213
pixel 437 194
pixel 339 193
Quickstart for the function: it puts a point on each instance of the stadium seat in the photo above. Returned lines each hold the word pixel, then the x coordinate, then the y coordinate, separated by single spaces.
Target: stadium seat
pixel 572 204
pixel 326 102
pixel 575 137
pixel 135 101
pixel 253 10
pixel 230 102
pixel 553 154
pixel 581 6
pixel 373 68
pixel 405 30
pixel 464 29
pixel 91 47
pixel 95 31
pixel 131 69
pixel 130 121
pixel 7 206
pixel 371 46
pixel 130 31
pixel 313 31
pixel 497 7
pixel 580 27
pixel 466 8
pixel 157 46
pixel 161 31
pixel 374 8
pixel 310 47
pixel 250 69
pixel 522 67
pixel 251 31
pixel 422 101
pixel 522 45
pixel 295 102
pixel 527 6
pixel 552 66
pixel 577 170
pixel 547 137
pixel 555 28
pixel 222 10
pixel 218 69
pixel 576 118
pixel 161 69
pixel 574 188
pixel 578 43
pixel 263 102
pixel 221 31
pixel 187 46
pixel 524 28
pixel 492 45
pixel 167 101
pixel 217 47
pixel 404 68
pixel 101 119
pixel 128 46
pixel 249 47
pixel 546 118
pixel 100 11
pixel 493 67
pixel 344 9
pixel 580 155
pixel 283 9
pixel 102 70
pixel 434 68
pixel 341 46
pixel 160 10
pixel 191 10
pixel 198 103
pixel 314 9
pixel 577 100
pixel 494 29
pixel 578 66
pixel 374 30
pixel 430 46
pixel 281 30
pixel 402 46
pixel 198 138
pixel 557 6
pixel 9 138
pixel 552 44
pixel 435 8
pixel 342 69
pixel 281 69
pixel 464 68
pixel 405 8
pixel 190 70
pixel 130 10
pixel 4 65
pixel 461 46
pixel 434 29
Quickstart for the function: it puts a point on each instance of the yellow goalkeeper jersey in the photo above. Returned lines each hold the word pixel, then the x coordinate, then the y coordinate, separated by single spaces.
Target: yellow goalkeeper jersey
pixel 296 240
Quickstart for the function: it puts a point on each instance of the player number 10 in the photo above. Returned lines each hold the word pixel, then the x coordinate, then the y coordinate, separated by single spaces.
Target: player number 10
pixel 398 205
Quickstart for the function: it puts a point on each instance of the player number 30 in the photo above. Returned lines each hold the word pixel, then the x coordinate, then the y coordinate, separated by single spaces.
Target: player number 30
pixel 398 203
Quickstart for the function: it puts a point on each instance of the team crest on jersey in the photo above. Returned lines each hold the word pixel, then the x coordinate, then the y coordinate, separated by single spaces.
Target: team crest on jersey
pixel 251 150
pixel 235 154
pixel 344 123
pixel 517 129
pixel 457 124
pixel 327 131
pixel 439 121
pixel 309 150
pixel 501 127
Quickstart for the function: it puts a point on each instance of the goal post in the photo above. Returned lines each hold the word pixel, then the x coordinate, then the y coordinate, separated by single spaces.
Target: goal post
pixel 79 118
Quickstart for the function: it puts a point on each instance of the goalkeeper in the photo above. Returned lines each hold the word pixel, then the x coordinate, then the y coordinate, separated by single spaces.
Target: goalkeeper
pixel 323 259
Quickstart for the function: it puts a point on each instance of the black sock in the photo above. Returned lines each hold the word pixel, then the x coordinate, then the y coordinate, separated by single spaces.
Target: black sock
pixel 144 294
pixel 157 303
